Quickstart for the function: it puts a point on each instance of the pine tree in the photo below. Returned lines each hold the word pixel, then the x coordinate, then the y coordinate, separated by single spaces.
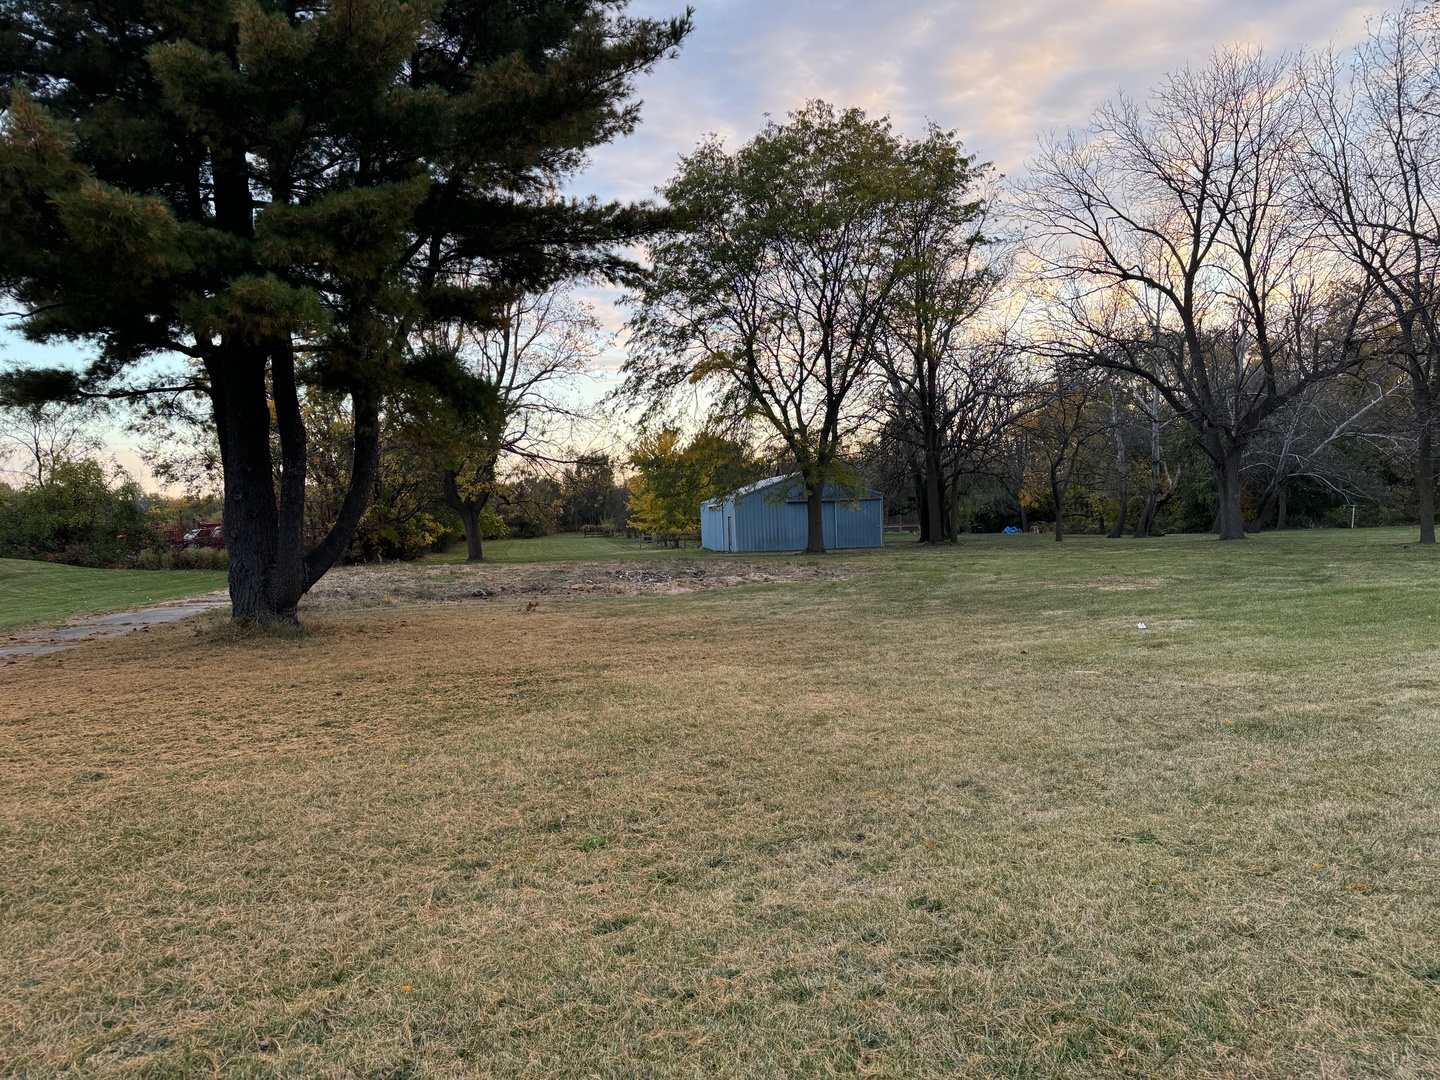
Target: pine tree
pixel 284 195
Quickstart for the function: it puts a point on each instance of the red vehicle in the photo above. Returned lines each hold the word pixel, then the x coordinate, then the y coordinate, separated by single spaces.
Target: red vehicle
pixel 206 534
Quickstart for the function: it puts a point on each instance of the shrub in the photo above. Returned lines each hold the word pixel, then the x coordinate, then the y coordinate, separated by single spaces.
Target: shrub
pixel 77 517
pixel 200 558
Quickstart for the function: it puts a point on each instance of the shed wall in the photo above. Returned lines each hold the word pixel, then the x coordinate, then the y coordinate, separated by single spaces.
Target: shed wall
pixel 766 520
pixel 764 523
pixel 857 525
pixel 712 527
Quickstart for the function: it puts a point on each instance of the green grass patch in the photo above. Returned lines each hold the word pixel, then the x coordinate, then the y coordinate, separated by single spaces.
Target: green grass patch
pixel 567 547
pixel 573 547
pixel 36 593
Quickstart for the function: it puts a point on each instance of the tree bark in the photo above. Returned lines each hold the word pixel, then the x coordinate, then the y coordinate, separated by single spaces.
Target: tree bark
pixel 1122 467
pixel 934 528
pixel 365 464
pixel 1146 524
pixel 1057 492
pixel 290 521
pixel 242 424
pixel 814 519
pixel 1281 508
pixel 1123 517
pixel 1425 465
pixel 1229 522
pixel 468 511
pixel 922 505
pixel 474 548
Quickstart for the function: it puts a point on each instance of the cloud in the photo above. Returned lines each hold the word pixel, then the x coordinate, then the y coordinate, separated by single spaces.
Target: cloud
pixel 1000 72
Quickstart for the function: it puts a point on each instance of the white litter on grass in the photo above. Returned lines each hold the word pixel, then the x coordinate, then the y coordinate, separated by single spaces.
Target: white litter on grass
pixel 1141 626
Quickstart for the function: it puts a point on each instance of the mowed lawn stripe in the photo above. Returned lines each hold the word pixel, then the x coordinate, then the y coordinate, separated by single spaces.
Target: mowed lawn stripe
pixel 37 593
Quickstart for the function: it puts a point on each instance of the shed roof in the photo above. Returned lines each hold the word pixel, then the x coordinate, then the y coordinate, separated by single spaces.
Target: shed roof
pixel 833 492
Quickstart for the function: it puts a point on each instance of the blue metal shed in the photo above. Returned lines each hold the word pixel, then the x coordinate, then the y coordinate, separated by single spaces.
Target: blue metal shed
pixel 770 516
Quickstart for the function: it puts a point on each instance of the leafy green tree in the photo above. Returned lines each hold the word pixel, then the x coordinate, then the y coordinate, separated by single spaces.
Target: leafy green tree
pixel 530 506
pixel 398 522
pixel 945 392
pixel 284 195
pixel 672 480
pixel 77 516
pixel 771 295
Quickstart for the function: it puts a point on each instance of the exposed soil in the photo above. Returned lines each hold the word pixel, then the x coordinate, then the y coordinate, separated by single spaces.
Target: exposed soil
pixel 360 586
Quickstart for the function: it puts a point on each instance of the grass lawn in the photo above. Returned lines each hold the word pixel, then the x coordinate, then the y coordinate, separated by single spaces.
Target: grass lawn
pixel 952 815
pixel 34 593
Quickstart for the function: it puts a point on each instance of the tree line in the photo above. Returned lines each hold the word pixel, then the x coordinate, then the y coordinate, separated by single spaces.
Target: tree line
pixel 1213 307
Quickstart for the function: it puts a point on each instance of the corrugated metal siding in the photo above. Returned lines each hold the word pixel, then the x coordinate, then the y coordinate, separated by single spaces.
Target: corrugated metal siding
pixel 772 518
pixel 858 525
pixel 764 523
pixel 712 527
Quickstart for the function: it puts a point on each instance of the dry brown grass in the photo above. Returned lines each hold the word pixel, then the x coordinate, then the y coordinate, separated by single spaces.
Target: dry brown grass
pixel 922 822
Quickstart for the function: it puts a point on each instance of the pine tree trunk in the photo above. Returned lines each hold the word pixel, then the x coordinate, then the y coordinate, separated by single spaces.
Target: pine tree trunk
pixel 242 422
pixel 269 568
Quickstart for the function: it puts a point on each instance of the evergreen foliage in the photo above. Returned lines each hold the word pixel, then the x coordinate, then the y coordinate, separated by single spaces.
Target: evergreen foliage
pixel 284 194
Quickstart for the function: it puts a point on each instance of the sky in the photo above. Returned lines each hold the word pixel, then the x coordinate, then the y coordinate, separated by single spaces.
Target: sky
pixel 1001 73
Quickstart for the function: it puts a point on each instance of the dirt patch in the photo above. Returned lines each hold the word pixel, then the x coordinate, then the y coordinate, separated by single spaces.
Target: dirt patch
pixel 360 586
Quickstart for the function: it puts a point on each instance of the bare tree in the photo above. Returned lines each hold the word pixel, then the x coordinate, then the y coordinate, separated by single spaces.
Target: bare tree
pixel 1302 440
pixel 1372 180
pixel 1181 212
pixel 499 394
pixel 1163 481
pixel 37 437
pixel 1065 418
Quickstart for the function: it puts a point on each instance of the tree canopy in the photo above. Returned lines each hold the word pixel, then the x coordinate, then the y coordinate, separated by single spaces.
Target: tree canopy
pixel 283 195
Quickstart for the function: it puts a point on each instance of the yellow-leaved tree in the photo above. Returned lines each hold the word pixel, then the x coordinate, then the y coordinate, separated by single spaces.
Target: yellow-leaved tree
pixel 672 479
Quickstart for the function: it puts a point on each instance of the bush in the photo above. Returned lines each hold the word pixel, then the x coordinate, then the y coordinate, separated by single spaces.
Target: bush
pixel 77 517
pixel 200 558
pixel 492 525
pixel 385 533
